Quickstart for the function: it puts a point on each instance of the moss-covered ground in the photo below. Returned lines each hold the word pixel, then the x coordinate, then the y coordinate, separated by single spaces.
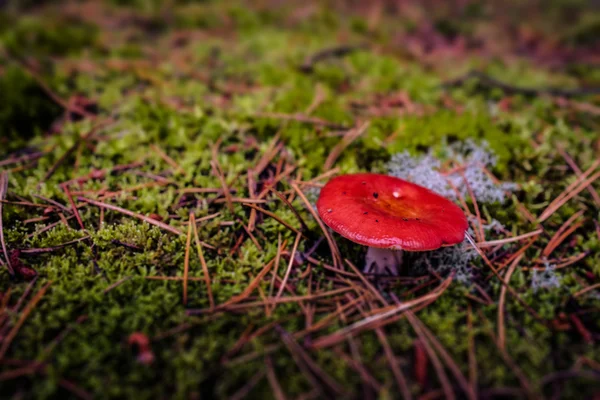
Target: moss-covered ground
pixel 124 124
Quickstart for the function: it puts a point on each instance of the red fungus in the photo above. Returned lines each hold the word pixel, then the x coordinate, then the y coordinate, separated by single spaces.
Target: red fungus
pixel 145 354
pixel 387 213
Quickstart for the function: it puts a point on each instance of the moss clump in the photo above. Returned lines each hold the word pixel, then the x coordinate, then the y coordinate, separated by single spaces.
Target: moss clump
pixel 25 109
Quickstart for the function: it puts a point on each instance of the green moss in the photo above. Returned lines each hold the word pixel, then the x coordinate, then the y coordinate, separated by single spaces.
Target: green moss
pixel 218 88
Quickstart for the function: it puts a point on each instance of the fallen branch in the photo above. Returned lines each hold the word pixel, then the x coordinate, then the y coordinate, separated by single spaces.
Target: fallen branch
pixel 309 63
pixel 487 82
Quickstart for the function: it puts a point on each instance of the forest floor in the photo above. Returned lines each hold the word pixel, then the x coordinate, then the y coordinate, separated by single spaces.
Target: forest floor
pixel 159 164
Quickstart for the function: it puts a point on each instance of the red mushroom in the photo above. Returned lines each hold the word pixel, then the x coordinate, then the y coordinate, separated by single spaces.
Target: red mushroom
pixel 389 215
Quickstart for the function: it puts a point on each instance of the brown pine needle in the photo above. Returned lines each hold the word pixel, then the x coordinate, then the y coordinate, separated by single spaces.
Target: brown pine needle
pixel 586 290
pixel 274 148
pixel 510 289
pixel 300 118
pixel 472 356
pixel 243 392
pixel 255 282
pixel 492 243
pixel 335 253
pixel 272 183
pixel 569 160
pixel 252 193
pixel 251 236
pixel 41 250
pixel 458 375
pixel 562 264
pixel 562 233
pixel 292 209
pixel 356 365
pixel 437 364
pixel 502 301
pixel 117 283
pixel 307 364
pixel 273 382
pixel 339 312
pixel 571 191
pixel 219 173
pixel 203 190
pixel 525 384
pixel 274 216
pixel 479 227
pixel 207 280
pixel 276 269
pixel 24 314
pixel 186 263
pixel 379 315
pixel 132 214
pixel 368 284
pixel 289 268
pixel 346 141
pixel 73 207
pixel 289 299
pixel 3 191
pixel 250 288
pixel 167 159
pixel 393 363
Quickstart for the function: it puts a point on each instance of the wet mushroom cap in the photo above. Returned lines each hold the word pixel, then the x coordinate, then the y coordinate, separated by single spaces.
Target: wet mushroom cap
pixel 386 212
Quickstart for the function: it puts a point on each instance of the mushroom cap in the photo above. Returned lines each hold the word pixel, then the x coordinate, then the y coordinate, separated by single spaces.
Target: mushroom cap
pixel 386 212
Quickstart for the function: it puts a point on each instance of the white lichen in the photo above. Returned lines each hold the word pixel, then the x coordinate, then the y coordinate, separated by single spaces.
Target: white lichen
pixel 312 194
pixel 456 258
pixel 472 161
pixel 546 278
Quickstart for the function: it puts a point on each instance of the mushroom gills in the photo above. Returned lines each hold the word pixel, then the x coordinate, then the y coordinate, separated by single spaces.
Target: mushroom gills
pixel 383 261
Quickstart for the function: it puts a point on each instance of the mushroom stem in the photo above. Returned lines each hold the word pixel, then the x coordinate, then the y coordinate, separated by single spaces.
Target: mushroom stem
pixel 383 261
